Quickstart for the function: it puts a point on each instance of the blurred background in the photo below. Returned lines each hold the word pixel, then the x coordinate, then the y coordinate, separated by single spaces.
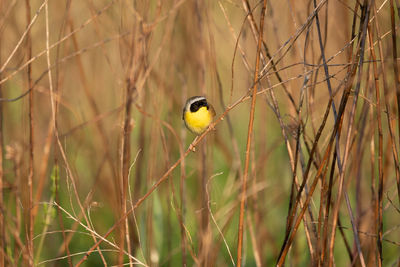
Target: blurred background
pixel 91 119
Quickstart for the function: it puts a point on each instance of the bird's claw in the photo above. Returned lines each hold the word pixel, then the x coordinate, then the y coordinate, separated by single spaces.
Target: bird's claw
pixel 192 148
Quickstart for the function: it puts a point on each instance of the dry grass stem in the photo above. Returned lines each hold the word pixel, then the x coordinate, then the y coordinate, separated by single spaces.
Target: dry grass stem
pixel 300 165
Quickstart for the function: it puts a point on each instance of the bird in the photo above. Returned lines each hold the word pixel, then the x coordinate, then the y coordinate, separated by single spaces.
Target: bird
pixel 197 114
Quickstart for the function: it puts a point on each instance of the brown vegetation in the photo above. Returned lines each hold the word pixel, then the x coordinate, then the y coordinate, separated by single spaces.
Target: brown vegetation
pixel 299 167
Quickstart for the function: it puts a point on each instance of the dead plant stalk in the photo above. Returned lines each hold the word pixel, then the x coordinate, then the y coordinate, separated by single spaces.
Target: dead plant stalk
pixel 249 139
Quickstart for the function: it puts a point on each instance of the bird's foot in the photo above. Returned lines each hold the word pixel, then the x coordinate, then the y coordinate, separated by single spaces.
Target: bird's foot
pixel 192 148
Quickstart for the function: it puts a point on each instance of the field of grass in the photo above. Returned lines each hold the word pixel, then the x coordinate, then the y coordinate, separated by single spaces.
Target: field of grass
pixel 299 168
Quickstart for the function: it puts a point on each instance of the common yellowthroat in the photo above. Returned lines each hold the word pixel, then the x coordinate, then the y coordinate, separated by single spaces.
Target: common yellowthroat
pixel 198 114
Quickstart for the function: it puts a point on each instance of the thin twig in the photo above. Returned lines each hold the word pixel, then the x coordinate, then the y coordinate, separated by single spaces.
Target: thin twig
pixel 249 139
pixel 30 219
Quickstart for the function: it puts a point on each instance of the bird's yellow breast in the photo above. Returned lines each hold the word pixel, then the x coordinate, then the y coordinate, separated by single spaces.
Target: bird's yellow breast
pixel 198 121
